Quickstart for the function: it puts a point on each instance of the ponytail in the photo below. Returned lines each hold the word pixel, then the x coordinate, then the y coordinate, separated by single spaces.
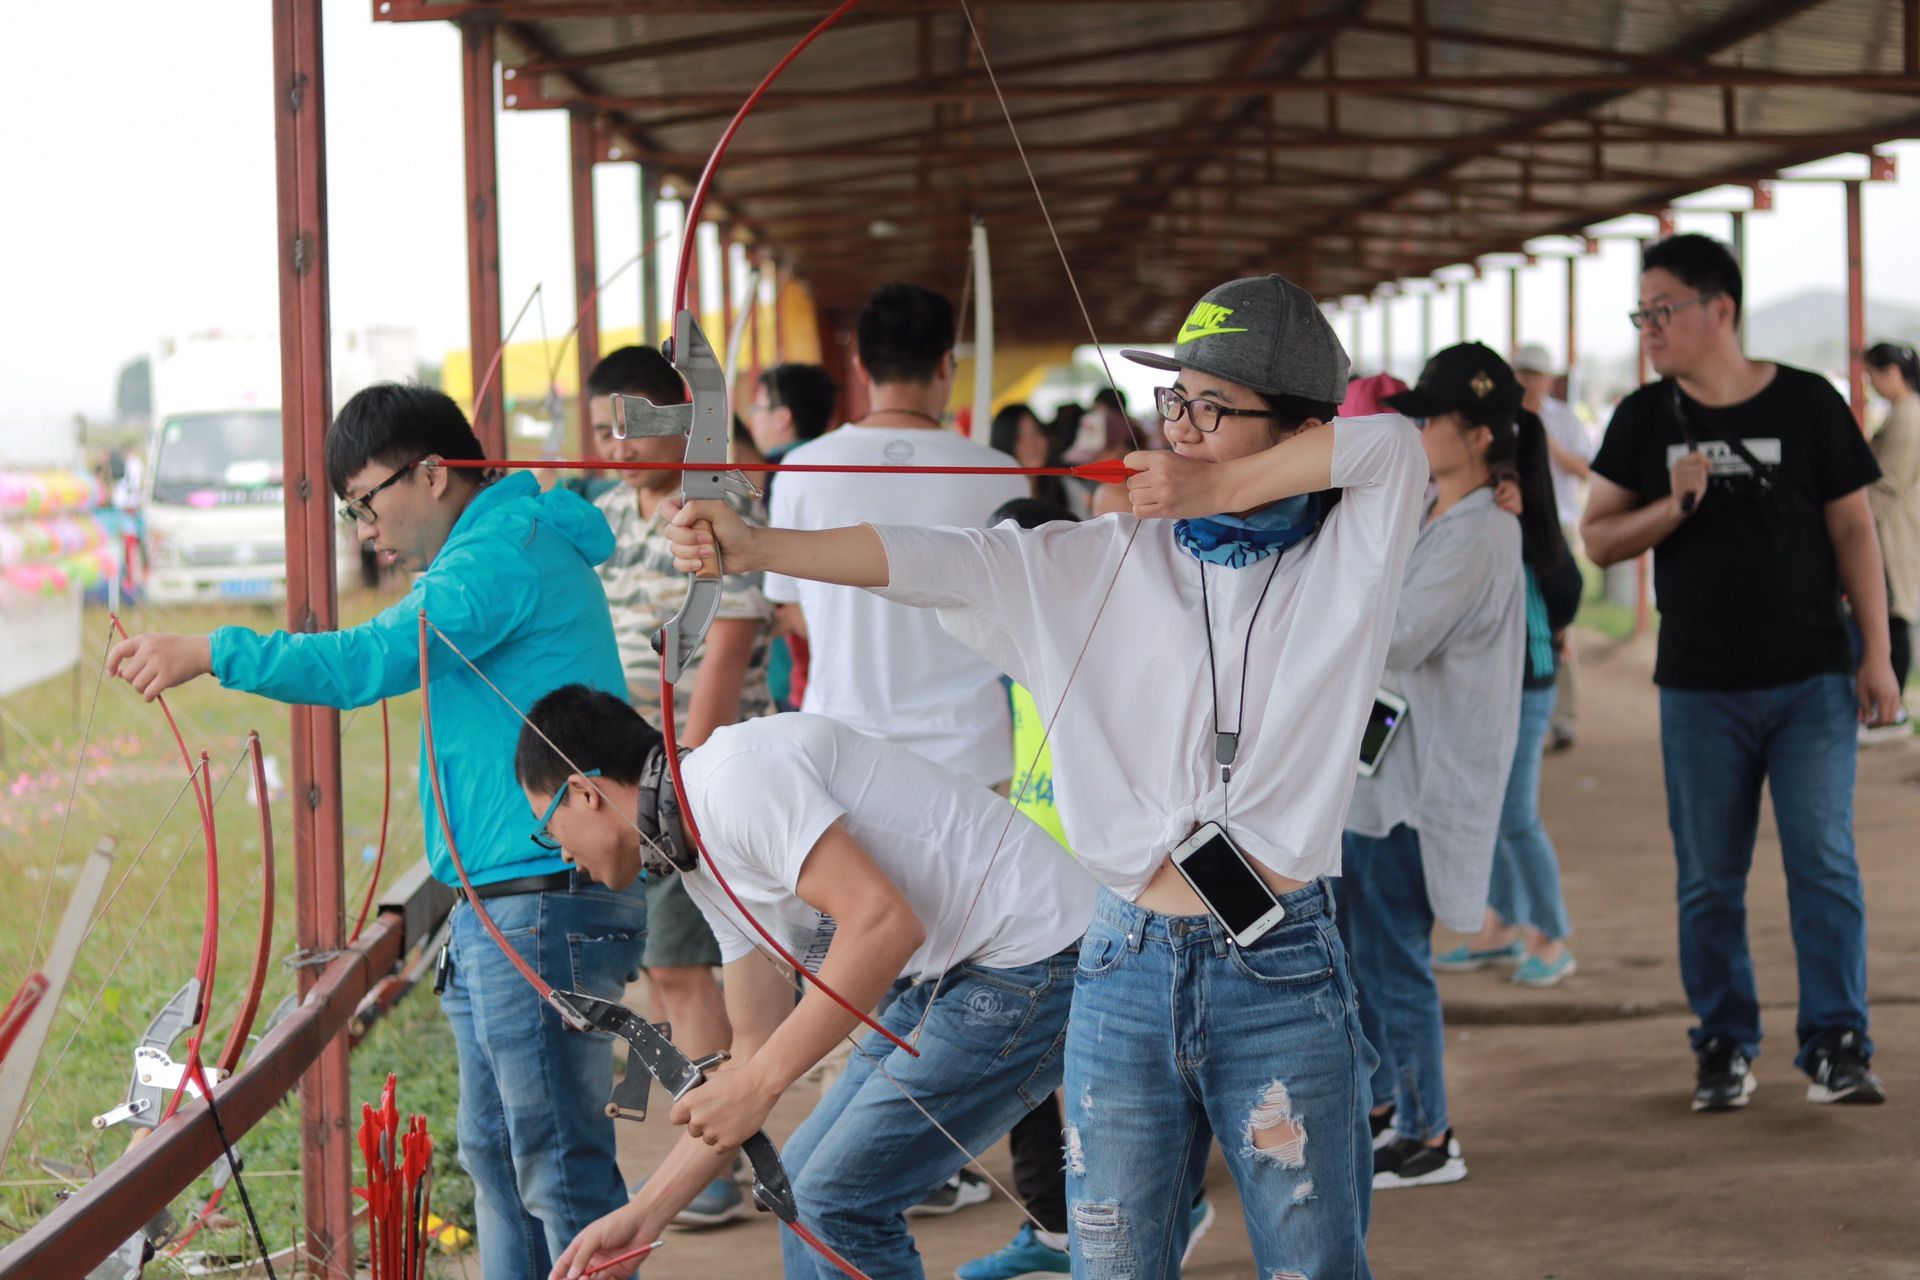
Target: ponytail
pixel 1542 543
pixel 1894 355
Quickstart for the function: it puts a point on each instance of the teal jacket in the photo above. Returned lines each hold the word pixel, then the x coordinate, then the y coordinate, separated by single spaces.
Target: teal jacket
pixel 514 587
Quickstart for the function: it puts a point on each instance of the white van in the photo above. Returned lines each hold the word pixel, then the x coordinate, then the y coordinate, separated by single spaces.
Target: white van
pixel 215 520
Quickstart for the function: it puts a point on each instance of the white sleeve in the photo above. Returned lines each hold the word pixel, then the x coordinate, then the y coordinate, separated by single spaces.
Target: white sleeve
pixel 783 512
pixel 1381 467
pixel 1000 591
pixel 776 808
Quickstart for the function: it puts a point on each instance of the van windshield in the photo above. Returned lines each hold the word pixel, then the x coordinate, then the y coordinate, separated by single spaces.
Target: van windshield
pixel 219 459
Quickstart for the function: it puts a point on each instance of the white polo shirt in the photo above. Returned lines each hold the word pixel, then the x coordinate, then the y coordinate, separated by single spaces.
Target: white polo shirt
pixel 874 665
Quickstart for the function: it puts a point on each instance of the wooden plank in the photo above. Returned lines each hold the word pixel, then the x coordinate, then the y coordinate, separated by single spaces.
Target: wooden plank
pixel 16 1073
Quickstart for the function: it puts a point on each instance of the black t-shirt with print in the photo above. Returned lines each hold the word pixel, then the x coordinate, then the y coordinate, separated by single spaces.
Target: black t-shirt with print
pixel 1748 588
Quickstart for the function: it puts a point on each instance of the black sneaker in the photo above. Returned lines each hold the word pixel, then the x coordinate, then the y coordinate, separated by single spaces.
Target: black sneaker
pixel 1382 1126
pixel 1840 1072
pixel 1726 1077
pixel 1409 1162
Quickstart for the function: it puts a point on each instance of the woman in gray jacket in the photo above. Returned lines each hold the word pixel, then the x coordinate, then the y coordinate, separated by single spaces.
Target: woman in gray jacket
pixel 1420 832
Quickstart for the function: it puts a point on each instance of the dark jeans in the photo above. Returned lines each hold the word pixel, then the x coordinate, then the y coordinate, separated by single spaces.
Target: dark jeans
pixel 1719 747
pixel 1039 1174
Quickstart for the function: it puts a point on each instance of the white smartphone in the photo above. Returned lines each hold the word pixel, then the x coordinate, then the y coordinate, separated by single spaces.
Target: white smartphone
pixel 1240 900
pixel 1389 710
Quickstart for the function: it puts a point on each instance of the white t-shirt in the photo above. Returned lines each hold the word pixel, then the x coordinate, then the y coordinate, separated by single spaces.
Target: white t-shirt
pixel 1133 746
pixel 881 668
pixel 1571 434
pixel 764 791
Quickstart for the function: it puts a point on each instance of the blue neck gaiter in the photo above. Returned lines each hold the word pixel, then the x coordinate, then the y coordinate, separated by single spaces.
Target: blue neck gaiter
pixel 1234 541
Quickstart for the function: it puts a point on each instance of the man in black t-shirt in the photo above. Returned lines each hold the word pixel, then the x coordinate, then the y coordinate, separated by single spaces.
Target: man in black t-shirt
pixel 1748 481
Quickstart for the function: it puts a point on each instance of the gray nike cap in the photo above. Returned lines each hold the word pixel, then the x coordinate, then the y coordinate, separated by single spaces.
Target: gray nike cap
pixel 1263 332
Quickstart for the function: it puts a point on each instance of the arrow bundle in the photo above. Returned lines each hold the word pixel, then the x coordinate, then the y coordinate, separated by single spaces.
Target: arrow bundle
pixel 397 1192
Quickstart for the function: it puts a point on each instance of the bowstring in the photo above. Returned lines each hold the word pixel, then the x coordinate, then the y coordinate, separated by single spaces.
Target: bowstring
pixel 1133 432
pixel 630 819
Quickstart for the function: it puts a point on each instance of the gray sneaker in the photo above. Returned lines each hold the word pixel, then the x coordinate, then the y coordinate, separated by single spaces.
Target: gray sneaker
pixel 719 1204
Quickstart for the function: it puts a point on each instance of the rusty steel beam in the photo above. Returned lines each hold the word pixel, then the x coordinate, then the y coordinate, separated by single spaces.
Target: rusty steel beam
pixel 920 93
pixel 702 42
pixel 541 10
pixel 483 231
pixel 303 248
pixel 91 1224
pixel 582 147
pixel 1469 145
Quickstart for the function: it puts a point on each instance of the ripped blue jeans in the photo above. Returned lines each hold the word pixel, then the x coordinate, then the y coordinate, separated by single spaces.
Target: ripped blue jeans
pixel 1178 1035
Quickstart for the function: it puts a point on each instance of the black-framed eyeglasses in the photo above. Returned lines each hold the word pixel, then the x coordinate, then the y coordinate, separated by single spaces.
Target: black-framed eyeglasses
pixel 1205 415
pixel 1661 316
pixel 542 836
pixel 359 511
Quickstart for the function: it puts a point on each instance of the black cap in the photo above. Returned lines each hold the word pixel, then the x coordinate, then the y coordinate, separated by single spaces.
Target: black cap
pixel 1469 378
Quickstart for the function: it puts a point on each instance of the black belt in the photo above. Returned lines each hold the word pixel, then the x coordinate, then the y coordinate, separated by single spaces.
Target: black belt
pixel 557 882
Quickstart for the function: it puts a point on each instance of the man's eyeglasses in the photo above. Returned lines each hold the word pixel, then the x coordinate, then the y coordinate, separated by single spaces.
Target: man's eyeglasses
pixel 1661 316
pixel 359 511
pixel 542 836
pixel 1205 415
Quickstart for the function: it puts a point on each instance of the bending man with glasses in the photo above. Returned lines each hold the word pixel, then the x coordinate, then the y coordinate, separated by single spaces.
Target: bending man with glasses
pixel 1748 481
pixel 507 573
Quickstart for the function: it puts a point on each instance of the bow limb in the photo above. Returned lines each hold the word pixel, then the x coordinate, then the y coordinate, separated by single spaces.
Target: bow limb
pixel 236 1042
pixel 697 203
pixel 210 927
pixel 708 425
pixel 386 808
pixel 1046 734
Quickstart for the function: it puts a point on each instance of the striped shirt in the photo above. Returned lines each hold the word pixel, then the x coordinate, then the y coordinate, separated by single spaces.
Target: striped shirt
pixel 644 590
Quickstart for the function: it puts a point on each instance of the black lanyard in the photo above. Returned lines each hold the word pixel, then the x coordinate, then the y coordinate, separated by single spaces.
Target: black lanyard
pixel 1226 745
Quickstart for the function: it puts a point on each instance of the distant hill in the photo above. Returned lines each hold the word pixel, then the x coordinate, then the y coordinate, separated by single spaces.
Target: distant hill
pixel 1810 329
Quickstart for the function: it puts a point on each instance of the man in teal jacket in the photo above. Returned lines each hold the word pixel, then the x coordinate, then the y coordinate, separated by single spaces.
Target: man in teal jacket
pixel 507 573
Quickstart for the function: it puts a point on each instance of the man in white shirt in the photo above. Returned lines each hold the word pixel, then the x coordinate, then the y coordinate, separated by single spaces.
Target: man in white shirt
pixel 865 861
pixel 1570 449
pixel 883 668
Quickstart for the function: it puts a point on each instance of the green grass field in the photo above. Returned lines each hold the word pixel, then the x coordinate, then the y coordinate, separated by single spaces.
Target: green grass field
pixel 147 935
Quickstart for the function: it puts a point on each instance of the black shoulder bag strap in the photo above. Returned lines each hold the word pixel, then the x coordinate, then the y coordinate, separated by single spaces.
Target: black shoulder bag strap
pixel 1677 405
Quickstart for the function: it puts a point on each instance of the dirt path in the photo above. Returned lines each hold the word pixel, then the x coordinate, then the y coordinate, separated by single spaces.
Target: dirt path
pixel 1572 1104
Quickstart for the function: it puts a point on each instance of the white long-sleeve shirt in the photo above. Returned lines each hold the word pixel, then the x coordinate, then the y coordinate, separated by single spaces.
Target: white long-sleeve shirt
pixel 1133 745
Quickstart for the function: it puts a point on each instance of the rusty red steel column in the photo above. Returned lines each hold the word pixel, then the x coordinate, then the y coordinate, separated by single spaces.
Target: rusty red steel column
pixel 300 160
pixel 483 229
pixel 1856 307
pixel 583 149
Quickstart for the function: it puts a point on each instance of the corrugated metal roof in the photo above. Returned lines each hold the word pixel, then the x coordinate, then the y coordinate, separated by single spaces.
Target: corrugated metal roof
pixel 1193 152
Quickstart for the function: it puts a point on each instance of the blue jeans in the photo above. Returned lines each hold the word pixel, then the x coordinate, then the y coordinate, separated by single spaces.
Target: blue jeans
pixel 533 1128
pixel 1178 1035
pixel 990 1051
pixel 1386 922
pixel 1719 747
pixel 1525 888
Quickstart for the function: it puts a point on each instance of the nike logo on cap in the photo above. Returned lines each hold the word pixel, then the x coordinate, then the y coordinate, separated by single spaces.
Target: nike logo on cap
pixel 1205 321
